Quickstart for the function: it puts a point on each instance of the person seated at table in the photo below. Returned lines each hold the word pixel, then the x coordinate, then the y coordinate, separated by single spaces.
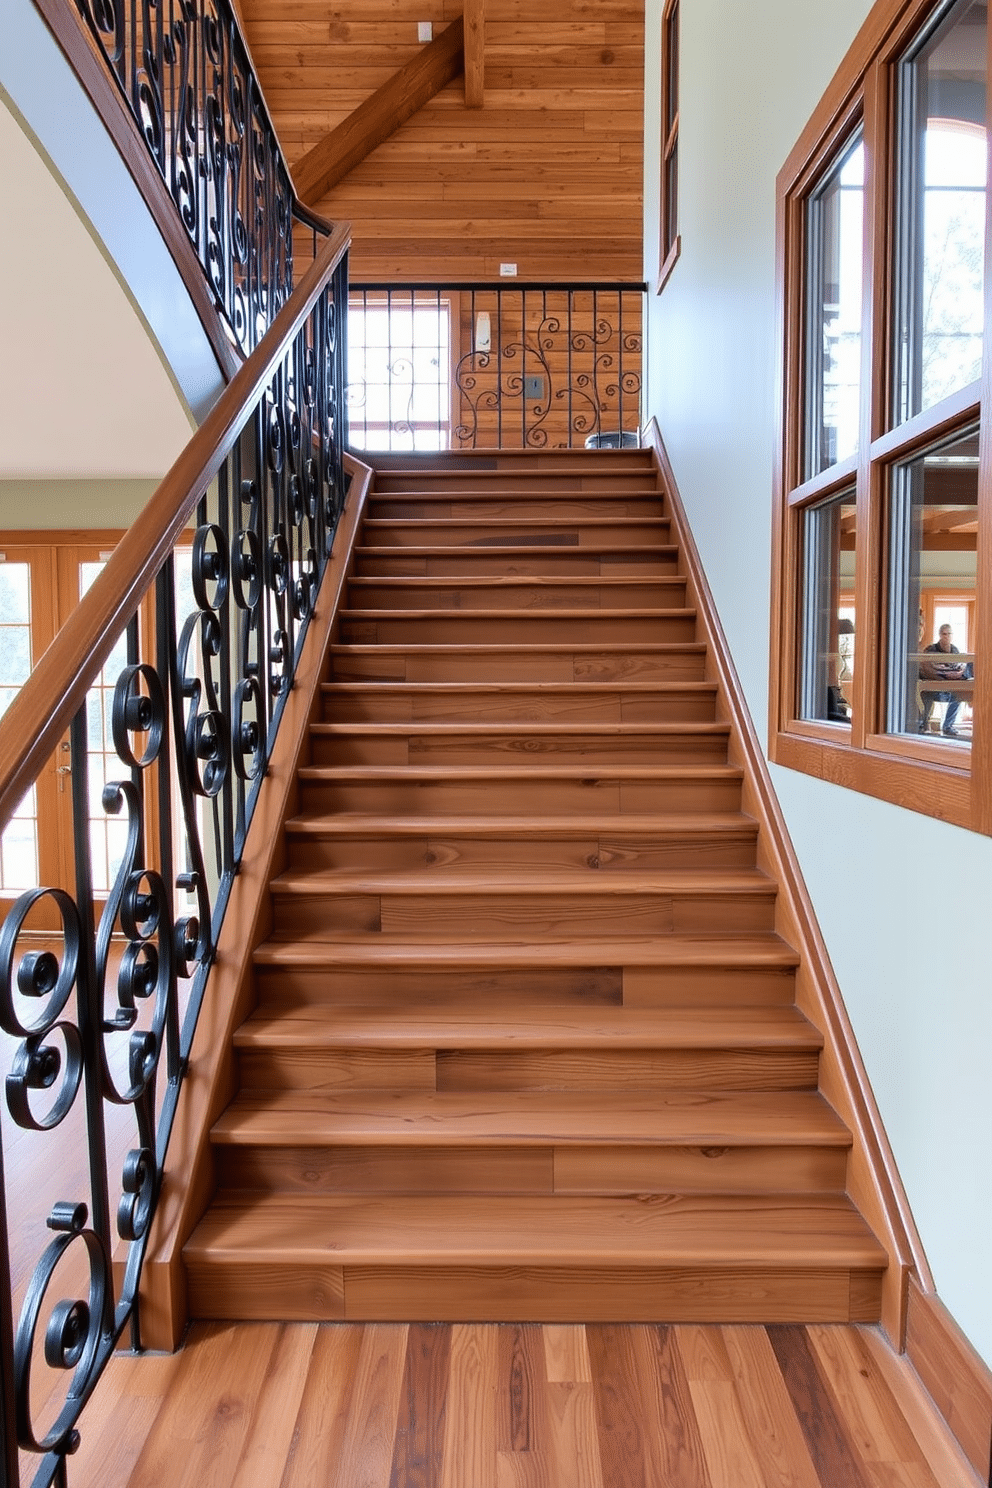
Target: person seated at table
pixel 937 671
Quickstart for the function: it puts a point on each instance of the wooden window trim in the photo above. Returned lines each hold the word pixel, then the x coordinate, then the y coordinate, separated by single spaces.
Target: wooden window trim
pixel 670 240
pixel 926 776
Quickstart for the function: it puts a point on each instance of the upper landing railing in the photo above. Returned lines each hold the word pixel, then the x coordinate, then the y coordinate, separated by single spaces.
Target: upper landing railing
pixel 162 700
pixel 182 75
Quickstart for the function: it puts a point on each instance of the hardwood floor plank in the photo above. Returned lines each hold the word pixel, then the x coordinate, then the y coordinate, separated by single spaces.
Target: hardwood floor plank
pixel 874 1420
pixel 573 1435
pixel 619 1413
pixel 519 1419
pixel 470 1421
pixel 419 1446
pixel 829 1441
pixel 271 1430
pixel 775 1433
pixel 566 1354
pixel 366 1457
pixel 322 1418
pixel 677 1444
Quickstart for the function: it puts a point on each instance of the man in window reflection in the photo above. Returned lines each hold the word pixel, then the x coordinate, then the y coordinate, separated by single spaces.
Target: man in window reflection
pixel 937 671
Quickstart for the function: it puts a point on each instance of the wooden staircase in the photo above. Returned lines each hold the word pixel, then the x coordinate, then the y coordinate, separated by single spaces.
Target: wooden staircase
pixel 526 1044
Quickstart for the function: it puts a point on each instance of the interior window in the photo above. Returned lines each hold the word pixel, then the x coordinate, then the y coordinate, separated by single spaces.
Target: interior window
pixel 827 622
pixel 834 250
pixel 932 541
pixel 941 210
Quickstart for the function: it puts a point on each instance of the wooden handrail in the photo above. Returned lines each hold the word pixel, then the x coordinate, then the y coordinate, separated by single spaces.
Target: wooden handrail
pixel 40 713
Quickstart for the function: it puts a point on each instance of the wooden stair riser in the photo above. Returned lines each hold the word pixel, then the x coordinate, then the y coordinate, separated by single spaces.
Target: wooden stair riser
pixel 546 562
pixel 666 593
pixel 379 794
pixel 506 627
pixel 505 507
pixel 354 744
pixel 399 703
pixel 509 1292
pixel 555 664
pixel 495 914
pixel 556 1069
pixel 603 986
pixel 573 1169
pixel 606 486
pixel 464 533
pixel 608 853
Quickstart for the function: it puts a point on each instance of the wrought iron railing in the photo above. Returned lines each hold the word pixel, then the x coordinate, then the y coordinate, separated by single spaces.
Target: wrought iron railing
pixel 184 74
pixel 100 986
pixel 473 366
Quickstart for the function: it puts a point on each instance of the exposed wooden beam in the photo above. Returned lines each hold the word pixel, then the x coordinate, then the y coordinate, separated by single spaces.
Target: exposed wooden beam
pixel 475 53
pixel 381 115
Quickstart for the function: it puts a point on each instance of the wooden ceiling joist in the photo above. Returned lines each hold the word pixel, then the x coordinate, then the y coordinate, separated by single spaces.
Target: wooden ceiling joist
pixel 475 53
pixel 369 125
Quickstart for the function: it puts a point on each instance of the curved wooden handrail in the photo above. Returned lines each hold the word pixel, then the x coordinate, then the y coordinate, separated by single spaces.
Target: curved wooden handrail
pixel 41 712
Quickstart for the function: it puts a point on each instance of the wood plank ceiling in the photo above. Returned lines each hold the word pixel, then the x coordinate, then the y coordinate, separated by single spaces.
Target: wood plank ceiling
pixel 547 174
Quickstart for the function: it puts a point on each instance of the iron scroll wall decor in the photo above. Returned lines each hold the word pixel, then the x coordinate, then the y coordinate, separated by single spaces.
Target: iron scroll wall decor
pixel 184 72
pixel 102 974
pixel 475 366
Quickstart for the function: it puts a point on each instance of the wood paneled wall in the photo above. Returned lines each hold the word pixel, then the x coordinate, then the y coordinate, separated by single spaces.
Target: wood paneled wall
pixel 546 175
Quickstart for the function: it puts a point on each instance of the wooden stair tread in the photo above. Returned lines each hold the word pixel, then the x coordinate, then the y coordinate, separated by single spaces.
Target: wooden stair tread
pixel 603 1118
pixel 487 523
pixel 348 824
pixel 690 1231
pixel 510 772
pixel 610 729
pixel 657 612
pixel 517 581
pixel 530 689
pixel 352 950
pixel 532 550
pixel 424 1026
pixel 521 879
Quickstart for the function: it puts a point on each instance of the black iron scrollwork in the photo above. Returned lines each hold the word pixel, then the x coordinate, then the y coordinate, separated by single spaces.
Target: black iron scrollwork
pixel 102 1006
pixel 183 69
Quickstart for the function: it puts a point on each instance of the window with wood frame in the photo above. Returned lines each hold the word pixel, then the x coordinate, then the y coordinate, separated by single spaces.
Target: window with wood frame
pixel 670 241
pixel 882 491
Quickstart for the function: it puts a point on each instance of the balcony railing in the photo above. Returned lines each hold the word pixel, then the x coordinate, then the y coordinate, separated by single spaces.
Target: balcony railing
pixel 476 366
pixel 182 71
pixel 180 658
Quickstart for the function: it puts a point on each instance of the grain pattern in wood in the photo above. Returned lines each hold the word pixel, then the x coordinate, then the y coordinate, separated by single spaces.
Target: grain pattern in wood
pixel 828 1437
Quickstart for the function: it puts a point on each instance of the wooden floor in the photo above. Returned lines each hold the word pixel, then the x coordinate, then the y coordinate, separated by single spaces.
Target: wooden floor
pixel 391 1405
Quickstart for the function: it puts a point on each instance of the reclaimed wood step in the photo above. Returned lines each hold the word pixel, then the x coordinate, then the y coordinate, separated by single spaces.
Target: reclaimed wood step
pixel 649 971
pixel 513 593
pixel 613 845
pixel 509 505
pixel 681 1257
pixel 479 743
pixel 632 702
pixel 519 661
pixel 518 789
pixel 428 1048
pixel 521 532
pixel 451 561
pixel 441 903
pixel 570 627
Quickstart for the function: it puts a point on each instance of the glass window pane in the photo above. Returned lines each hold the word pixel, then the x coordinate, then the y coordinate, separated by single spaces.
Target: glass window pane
pixel 941 211
pixel 932 523
pixel 827 610
pixel 835 239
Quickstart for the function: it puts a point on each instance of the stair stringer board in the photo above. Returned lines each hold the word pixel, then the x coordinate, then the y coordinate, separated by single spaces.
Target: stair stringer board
pixel 188 1179
pixel 873 1182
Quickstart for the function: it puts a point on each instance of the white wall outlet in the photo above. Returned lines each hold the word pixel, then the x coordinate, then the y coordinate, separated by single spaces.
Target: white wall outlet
pixel 507 271
pixel 425 30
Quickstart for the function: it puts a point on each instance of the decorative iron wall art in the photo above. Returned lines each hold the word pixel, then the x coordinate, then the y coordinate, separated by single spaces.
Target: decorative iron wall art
pixel 477 366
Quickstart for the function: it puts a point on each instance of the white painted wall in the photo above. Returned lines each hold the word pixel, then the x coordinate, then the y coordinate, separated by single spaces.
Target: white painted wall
pixel 751 76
